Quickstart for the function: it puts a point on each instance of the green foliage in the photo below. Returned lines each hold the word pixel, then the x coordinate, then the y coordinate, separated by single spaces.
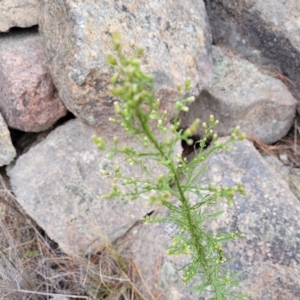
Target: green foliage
pixel 32 254
pixel 137 111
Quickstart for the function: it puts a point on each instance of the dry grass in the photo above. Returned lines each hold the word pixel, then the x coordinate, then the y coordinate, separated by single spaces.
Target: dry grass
pixel 289 146
pixel 33 267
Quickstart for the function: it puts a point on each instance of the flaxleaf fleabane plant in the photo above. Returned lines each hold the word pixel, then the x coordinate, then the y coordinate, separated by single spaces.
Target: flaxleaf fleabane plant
pixel 137 111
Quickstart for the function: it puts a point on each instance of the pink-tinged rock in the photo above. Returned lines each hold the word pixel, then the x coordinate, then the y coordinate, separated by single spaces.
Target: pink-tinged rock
pixel 29 100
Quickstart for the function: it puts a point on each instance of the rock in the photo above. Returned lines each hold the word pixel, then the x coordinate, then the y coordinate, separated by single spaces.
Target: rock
pixel 7 150
pixel 28 98
pixel 264 31
pixel 241 95
pixel 77 37
pixel 268 255
pixel 284 158
pixel 268 216
pixel 59 184
pixel 146 246
pixel 18 13
pixel 289 174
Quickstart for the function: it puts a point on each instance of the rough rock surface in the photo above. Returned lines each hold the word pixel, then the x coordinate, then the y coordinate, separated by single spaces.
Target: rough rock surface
pixel 240 94
pixel 265 31
pixel 289 174
pixel 59 184
pixel 268 215
pixel 18 13
pixel 7 150
pixel 146 245
pixel 28 98
pixel 77 36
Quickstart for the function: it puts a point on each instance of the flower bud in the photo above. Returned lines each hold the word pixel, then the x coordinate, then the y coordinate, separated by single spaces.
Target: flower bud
pixel 241 137
pixel 99 142
pixel 113 120
pixel 190 142
pixel 187 84
pixel 111 60
pixel 117 107
pixel 139 52
pixel 135 61
pixel 190 99
pixel 236 130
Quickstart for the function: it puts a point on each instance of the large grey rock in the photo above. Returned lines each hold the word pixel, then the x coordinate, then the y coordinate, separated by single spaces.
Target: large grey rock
pixel 268 216
pixel 268 255
pixel 7 150
pixel 29 100
pixel 240 94
pixel 77 37
pixel 59 184
pixel 265 31
pixel 18 13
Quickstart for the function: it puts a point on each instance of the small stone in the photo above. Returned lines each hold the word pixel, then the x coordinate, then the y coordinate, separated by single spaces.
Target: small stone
pixel 283 157
pixel 7 150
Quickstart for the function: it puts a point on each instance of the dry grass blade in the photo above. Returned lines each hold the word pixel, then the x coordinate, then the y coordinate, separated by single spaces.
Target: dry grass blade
pixel 33 267
pixel 289 146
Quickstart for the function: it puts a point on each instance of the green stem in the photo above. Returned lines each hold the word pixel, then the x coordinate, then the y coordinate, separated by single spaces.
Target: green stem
pixel 186 208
